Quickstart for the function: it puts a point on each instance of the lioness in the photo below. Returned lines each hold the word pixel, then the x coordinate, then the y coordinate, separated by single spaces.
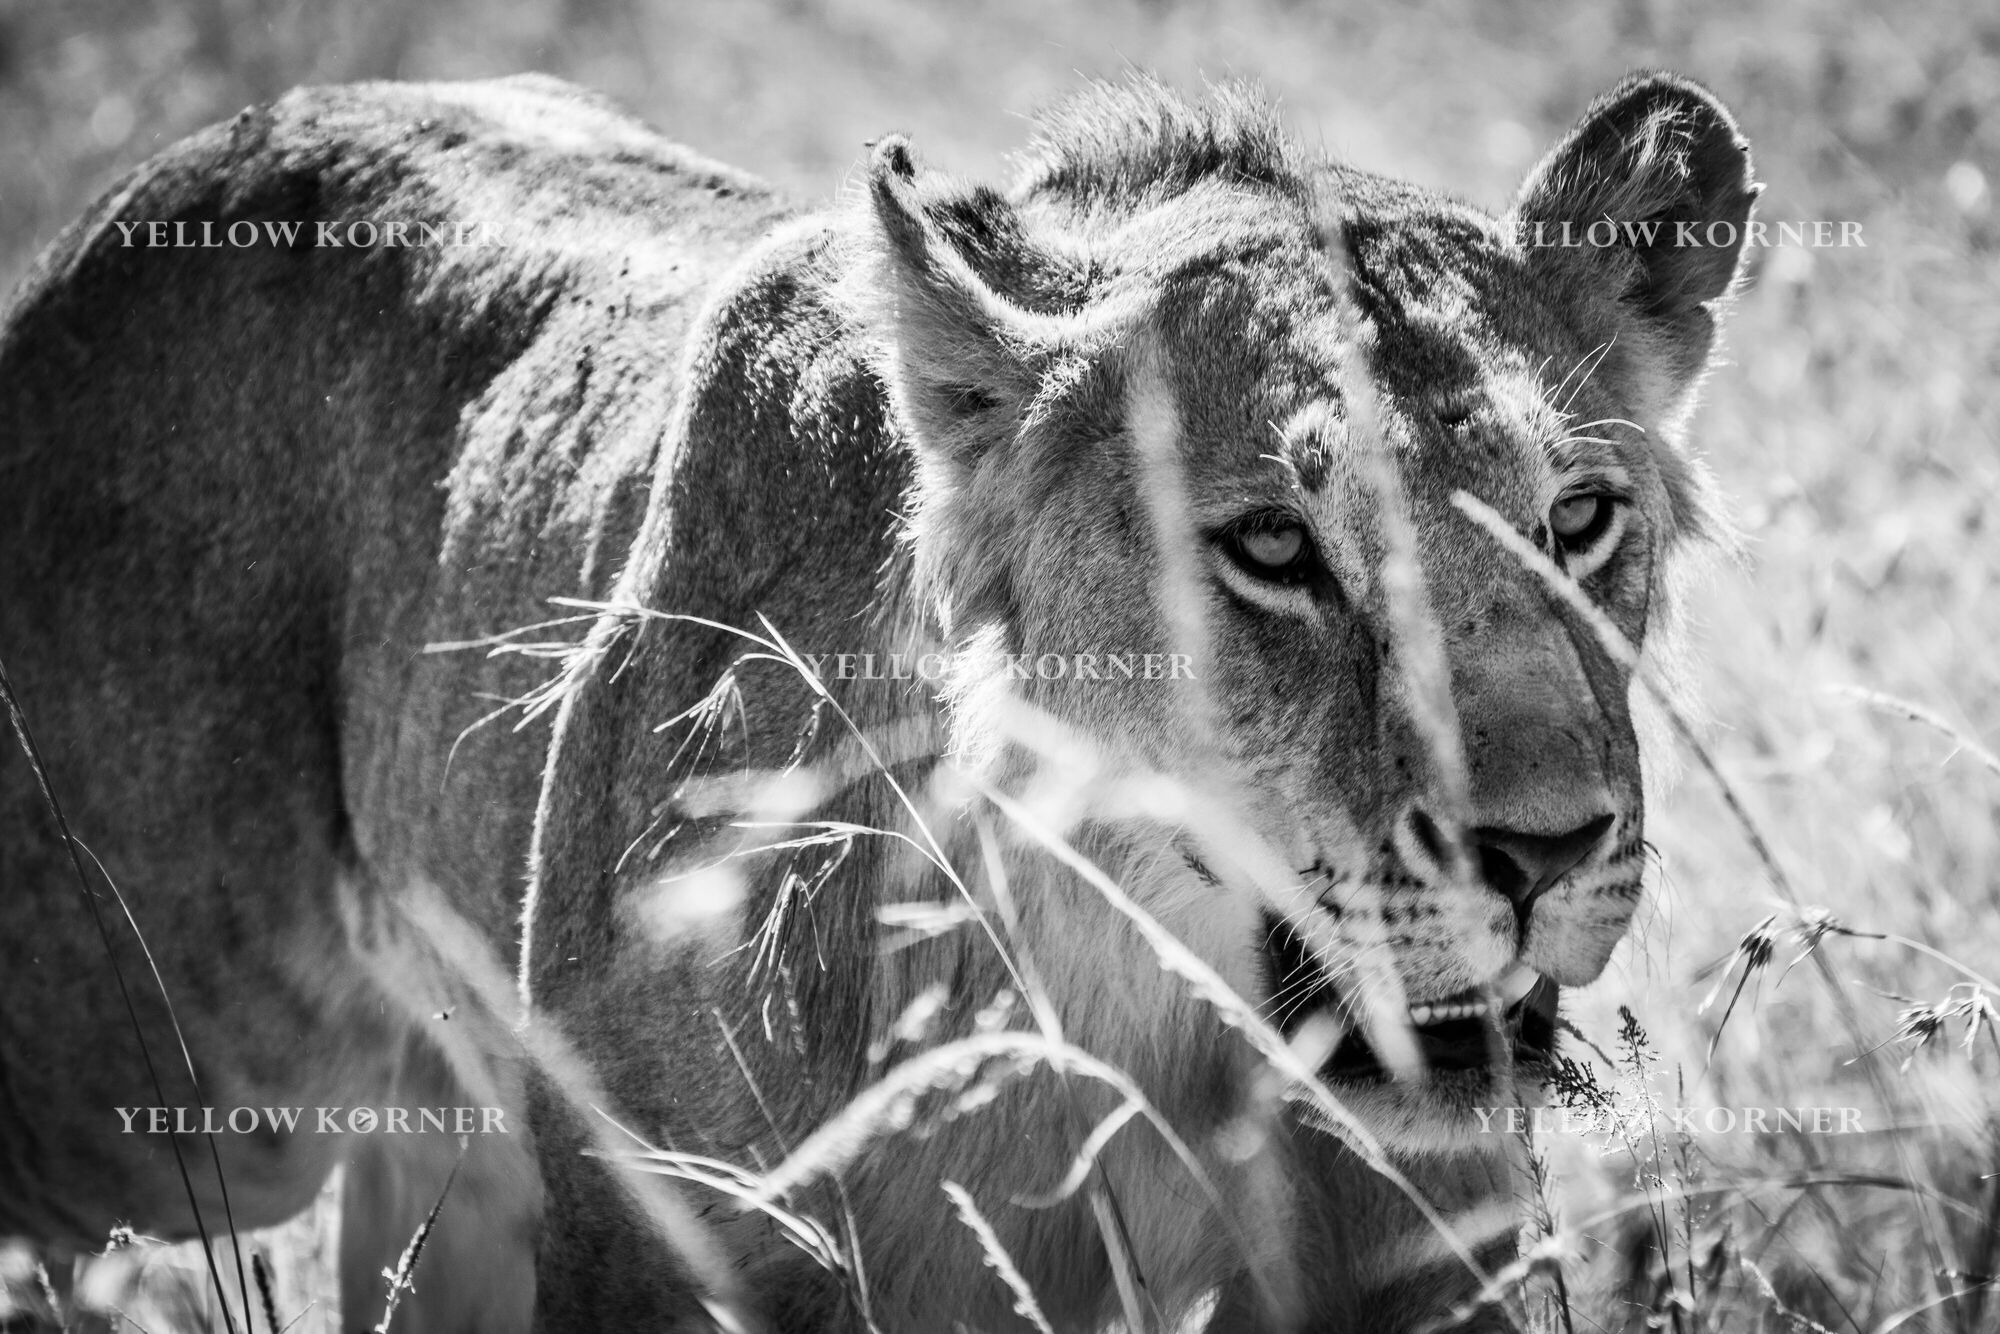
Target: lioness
pixel 972 594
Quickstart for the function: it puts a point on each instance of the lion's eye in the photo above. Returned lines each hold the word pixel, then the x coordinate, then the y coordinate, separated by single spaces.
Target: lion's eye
pixel 1573 520
pixel 1272 552
pixel 1584 529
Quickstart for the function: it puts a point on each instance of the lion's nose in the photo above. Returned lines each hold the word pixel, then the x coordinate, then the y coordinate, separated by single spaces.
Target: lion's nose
pixel 1523 866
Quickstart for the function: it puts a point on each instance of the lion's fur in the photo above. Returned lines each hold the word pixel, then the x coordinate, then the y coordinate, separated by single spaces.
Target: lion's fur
pixel 245 489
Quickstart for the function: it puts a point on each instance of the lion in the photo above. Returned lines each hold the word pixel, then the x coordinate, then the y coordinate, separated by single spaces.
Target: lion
pixel 829 728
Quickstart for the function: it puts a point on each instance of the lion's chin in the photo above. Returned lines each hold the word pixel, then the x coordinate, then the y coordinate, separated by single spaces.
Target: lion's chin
pixel 1450 1112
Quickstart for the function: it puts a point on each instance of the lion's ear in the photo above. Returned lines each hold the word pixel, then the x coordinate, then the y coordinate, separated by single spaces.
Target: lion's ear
pixel 1649 194
pixel 964 361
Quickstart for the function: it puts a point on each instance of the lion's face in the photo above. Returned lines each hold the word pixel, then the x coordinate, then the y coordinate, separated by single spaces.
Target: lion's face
pixel 1238 448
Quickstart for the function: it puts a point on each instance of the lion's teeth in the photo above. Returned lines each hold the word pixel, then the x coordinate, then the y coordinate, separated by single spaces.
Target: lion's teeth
pixel 1445 1011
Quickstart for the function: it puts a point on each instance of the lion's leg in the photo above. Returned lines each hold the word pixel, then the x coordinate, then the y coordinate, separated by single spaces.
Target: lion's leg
pixel 90 1137
pixel 606 1260
pixel 445 1123
pixel 1365 1257
pixel 476 1272
pixel 239 878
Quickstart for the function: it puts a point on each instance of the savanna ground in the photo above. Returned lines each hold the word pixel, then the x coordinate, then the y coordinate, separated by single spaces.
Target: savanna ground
pixel 1854 421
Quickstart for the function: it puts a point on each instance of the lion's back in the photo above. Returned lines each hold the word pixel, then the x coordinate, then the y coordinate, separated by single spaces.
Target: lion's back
pixel 317 296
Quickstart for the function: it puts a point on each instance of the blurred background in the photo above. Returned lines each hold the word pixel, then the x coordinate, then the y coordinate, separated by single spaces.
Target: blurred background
pixel 1854 421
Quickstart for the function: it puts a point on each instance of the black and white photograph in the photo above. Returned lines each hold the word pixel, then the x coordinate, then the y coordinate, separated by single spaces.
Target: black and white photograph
pixel 957 667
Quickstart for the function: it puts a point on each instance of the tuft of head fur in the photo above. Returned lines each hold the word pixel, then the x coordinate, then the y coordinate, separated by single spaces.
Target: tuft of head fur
pixel 1122 147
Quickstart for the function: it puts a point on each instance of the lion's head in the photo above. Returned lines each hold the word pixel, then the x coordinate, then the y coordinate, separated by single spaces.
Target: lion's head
pixel 1187 392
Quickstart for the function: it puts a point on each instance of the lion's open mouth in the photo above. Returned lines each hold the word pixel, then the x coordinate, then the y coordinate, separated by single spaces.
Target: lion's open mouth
pixel 1458 1033
pixel 1461 1034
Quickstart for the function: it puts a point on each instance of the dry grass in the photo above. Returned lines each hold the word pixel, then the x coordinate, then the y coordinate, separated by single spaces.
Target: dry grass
pixel 1855 423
